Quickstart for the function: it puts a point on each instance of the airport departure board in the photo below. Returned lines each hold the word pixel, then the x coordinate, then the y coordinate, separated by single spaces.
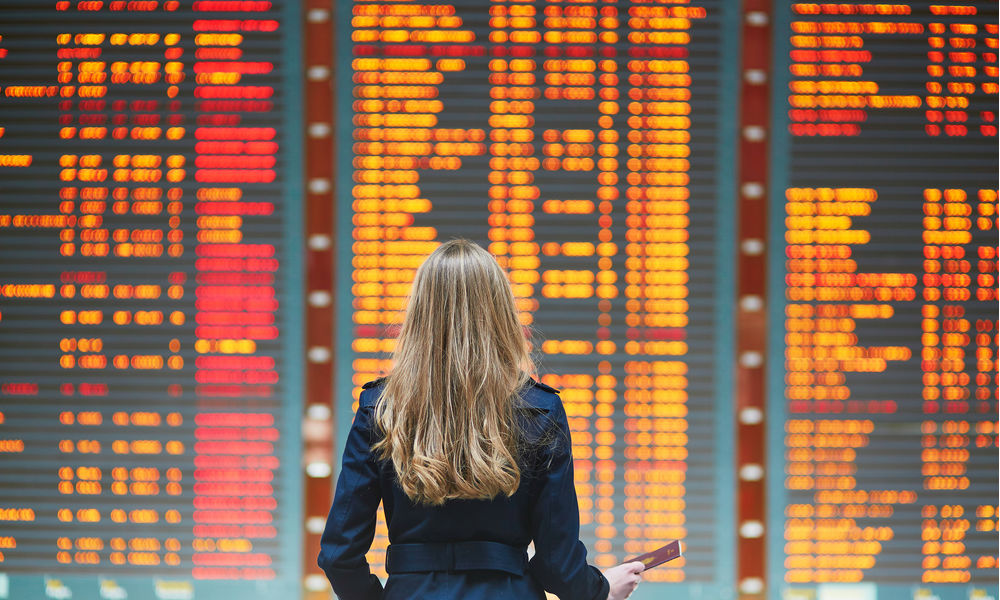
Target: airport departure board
pixel 883 386
pixel 580 143
pixel 149 324
pixel 150 277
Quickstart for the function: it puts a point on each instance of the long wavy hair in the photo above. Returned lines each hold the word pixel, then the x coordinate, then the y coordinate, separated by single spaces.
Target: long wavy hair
pixel 447 410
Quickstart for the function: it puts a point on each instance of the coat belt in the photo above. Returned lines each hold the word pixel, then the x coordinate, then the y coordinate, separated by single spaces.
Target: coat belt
pixel 457 556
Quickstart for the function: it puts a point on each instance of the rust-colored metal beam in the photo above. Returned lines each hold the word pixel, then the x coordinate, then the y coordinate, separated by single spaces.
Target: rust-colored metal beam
pixel 318 247
pixel 751 335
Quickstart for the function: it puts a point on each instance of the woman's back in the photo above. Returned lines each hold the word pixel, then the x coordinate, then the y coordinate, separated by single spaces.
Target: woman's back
pixel 465 548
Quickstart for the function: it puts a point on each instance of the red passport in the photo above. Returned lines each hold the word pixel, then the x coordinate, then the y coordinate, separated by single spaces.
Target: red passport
pixel 660 555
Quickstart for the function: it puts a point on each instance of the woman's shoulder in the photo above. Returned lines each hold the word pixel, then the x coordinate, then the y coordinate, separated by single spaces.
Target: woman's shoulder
pixel 543 418
pixel 374 383
pixel 541 386
pixel 370 392
pixel 539 396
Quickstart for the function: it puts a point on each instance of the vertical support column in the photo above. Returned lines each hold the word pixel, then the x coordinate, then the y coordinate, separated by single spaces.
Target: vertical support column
pixel 320 218
pixel 751 286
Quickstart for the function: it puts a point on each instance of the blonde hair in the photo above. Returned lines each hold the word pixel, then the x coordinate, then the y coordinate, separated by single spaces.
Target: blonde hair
pixel 447 411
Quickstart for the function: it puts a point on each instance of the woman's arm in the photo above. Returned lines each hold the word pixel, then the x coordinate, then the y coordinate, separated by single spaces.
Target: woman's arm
pixel 350 527
pixel 560 560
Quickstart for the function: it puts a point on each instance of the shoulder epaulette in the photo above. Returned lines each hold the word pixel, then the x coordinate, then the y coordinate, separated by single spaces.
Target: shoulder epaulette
pixel 547 388
pixel 372 384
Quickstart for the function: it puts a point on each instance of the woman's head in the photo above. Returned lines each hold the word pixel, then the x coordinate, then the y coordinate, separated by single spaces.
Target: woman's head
pixel 461 312
pixel 447 410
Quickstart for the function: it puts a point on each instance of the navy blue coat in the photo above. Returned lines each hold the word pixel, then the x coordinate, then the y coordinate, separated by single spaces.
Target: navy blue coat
pixel 465 549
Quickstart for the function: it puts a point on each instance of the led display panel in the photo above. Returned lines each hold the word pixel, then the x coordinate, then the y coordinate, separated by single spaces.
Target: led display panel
pixel 149 328
pixel 883 388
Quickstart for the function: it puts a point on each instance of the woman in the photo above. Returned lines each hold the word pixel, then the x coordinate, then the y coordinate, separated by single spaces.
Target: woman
pixel 470 457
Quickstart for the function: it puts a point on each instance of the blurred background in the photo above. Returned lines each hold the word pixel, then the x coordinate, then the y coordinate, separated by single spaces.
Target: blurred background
pixel 755 243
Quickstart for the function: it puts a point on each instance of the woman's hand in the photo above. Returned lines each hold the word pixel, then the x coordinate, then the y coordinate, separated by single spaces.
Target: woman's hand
pixel 624 579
